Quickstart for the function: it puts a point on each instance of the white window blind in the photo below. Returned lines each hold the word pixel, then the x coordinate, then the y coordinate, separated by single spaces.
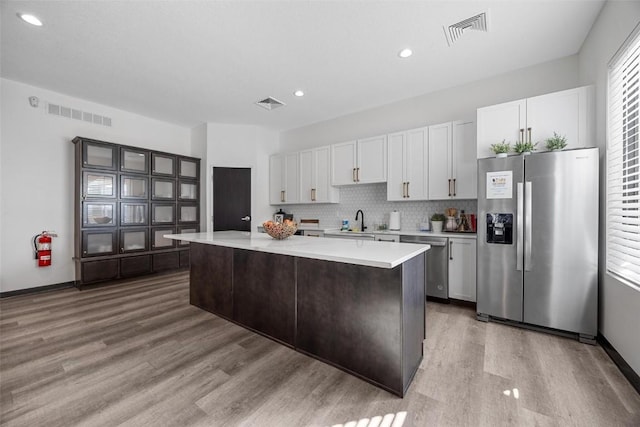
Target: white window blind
pixel 623 162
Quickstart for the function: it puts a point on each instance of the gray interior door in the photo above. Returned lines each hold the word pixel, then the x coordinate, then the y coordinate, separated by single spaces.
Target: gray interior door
pixel 231 199
pixel 561 253
pixel 499 279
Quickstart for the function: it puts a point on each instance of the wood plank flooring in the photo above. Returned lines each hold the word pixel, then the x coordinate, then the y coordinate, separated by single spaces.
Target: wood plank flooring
pixel 137 354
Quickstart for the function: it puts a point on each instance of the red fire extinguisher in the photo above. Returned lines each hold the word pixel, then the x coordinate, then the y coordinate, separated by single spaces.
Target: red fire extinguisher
pixel 42 245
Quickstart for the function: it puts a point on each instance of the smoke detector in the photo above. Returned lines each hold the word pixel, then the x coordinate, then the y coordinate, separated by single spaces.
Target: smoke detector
pixel 270 103
pixel 475 23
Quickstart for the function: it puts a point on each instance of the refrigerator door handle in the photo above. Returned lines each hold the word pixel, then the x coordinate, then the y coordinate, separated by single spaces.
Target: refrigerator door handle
pixel 527 231
pixel 519 227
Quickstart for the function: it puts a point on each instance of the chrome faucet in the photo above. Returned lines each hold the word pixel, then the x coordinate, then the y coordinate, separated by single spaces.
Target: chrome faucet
pixel 359 212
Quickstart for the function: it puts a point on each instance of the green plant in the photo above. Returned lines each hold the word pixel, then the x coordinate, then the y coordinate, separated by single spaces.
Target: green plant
pixel 523 147
pixel 501 147
pixel 437 217
pixel 557 142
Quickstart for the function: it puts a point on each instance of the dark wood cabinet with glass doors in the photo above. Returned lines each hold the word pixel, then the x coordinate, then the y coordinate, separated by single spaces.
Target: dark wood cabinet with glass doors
pixel 127 199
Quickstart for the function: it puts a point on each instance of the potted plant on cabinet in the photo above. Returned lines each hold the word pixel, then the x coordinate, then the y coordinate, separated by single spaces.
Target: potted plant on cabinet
pixel 557 142
pixel 501 148
pixel 436 222
pixel 525 147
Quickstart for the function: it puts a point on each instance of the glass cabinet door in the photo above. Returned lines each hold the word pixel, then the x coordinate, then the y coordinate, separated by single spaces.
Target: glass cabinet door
pixel 188 190
pixel 98 243
pixel 188 168
pixel 98 184
pixel 187 213
pixel 133 187
pixel 134 240
pixel 184 230
pixel 135 161
pixel 163 164
pixel 133 214
pixel 163 189
pixel 99 155
pixel 98 214
pixel 159 242
pixel 163 213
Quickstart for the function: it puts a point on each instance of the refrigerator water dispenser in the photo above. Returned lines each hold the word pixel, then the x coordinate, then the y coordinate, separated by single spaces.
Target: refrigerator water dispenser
pixel 500 228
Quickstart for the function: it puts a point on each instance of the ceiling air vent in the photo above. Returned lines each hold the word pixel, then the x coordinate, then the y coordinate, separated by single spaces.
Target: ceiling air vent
pixel 455 31
pixel 270 103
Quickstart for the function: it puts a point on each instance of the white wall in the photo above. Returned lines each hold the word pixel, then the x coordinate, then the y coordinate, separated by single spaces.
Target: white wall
pixel 242 146
pixel 37 175
pixel 619 302
pixel 458 103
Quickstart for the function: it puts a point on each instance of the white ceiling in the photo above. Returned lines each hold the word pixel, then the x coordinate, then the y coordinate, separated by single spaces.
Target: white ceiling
pixel 190 62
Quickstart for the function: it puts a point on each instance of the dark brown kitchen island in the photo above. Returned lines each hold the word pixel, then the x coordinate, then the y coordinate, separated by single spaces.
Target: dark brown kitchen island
pixel 356 305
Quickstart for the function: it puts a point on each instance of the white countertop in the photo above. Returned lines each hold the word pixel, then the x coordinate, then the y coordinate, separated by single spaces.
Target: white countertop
pixel 336 231
pixel 360 252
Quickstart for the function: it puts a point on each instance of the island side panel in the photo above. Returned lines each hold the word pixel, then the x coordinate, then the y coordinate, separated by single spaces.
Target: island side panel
pixel 264 292
pixel 413 314
pixel 350 315
pixel 211 281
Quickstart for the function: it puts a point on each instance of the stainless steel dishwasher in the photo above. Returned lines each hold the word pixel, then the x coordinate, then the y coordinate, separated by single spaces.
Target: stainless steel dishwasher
pixel 437 264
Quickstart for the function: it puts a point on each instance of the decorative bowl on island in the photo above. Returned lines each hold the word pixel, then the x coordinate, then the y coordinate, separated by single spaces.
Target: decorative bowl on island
pixel 280 230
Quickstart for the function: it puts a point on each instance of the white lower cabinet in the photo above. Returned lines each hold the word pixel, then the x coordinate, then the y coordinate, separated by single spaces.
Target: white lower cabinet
pixel 462 269
pixel 387 237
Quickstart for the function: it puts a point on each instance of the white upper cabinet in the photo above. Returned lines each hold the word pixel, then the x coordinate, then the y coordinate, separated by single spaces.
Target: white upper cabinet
pixel 359 162
pixel 276 183
pixel 567 113
pixel 343 170
pixel 284 179
pixel 452 162
pixel 315 183
pixel 464 161
pixel 440 157
pixel 372 160
pixel 500 122
pixel 407 177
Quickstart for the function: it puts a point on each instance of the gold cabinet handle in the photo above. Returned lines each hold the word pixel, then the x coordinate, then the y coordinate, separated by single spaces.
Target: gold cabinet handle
pixel 313 194
pixel 407 189
pixel 529 132
pixel 454 187
pixel 522 135
pixel 282 196
pixel 357 174
pixel 404 189
pixel 449 187
pixel 353 175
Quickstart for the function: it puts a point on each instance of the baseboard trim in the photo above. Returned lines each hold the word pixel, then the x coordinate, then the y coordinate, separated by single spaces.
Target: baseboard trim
pixel 37 290
pixel 619 361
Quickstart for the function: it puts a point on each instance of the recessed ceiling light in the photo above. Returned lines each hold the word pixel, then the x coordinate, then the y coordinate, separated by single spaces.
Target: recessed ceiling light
pixel 298 93
pixel 405 53
pixel 30 19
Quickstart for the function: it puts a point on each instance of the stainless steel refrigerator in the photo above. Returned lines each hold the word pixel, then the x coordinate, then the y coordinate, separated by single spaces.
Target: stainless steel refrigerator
pixel 538 240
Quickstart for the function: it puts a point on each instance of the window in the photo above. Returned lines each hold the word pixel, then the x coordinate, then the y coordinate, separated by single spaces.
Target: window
pixel 623 162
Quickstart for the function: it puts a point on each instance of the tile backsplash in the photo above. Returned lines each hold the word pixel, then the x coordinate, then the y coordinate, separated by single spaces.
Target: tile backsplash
pixel 372 199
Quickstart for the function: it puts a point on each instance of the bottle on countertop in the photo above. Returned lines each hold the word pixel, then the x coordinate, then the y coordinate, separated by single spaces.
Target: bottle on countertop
pixel 464 223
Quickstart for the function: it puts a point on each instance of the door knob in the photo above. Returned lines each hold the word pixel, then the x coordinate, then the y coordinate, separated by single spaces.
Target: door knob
pixel 245 218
